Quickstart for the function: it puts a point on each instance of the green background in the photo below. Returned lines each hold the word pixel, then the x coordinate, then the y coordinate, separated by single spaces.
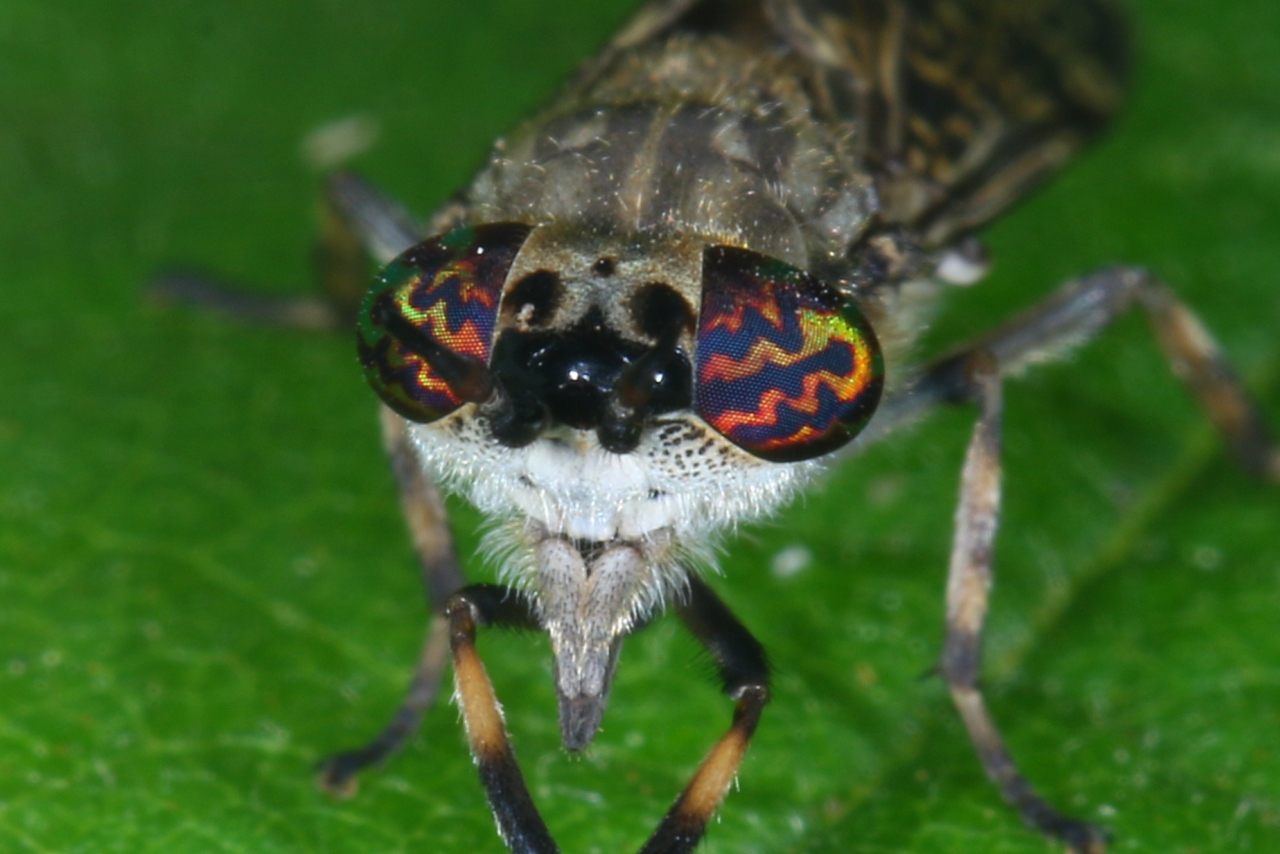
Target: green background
pixel 205 584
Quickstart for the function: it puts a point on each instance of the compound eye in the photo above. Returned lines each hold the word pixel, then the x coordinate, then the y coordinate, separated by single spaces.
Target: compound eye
pixel 786 368
pixel 426 327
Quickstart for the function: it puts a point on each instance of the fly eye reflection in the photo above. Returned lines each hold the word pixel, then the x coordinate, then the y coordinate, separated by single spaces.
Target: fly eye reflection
pixel 426 327
pixel 786 368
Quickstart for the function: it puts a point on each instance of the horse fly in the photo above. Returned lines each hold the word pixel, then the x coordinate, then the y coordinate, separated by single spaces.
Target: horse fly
pixel 669 298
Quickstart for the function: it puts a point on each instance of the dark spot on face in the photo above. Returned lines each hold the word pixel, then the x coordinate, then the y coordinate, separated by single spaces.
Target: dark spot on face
pixel 660 312
pixel 604 267
pixel 541 290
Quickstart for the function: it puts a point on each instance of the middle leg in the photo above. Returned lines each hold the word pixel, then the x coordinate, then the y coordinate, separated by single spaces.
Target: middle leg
pixel 973 373
pixel 1076 313
pixel 968 591
pixel 358 223
pixel 424 513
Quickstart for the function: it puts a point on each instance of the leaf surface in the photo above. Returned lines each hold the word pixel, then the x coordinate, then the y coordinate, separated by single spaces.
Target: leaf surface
pixel 204 581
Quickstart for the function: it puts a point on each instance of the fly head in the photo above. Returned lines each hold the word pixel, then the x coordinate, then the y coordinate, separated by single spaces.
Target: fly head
pixel 612 403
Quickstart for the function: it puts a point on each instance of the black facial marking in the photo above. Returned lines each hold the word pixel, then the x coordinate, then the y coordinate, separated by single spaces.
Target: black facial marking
pixel 587 377
pixel 542 290
pixel 660 312
pixel 567 373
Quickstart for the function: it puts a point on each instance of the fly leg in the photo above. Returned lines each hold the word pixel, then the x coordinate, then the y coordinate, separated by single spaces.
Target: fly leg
pixel 357 223
pixel 739 658
pixel 744 674
pixel 442 576
pixel 968 591
pixel 1073 315
pixel 519 823
pixel 974 374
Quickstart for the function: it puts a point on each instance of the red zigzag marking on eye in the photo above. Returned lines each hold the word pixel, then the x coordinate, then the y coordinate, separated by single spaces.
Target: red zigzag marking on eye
pixel 766 413
pixel 734 318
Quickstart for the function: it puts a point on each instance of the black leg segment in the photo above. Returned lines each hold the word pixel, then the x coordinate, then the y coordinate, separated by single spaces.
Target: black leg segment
pixel 743 671
pixel 744 674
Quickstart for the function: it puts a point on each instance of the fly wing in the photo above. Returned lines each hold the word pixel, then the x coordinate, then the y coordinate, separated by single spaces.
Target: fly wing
pixel 960 107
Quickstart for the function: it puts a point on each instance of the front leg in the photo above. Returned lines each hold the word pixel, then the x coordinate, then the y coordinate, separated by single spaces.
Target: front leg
pixel 744 675
pixel 743 671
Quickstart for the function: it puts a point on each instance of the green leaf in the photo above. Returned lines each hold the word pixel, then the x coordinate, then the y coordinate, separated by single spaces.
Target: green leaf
pixel 204 581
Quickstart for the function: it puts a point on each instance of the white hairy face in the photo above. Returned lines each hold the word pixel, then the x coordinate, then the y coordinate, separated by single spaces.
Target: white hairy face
pixel 683 483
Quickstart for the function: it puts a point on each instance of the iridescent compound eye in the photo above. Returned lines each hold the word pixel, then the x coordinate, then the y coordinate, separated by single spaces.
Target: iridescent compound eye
pixel 786 368
pixel 426 327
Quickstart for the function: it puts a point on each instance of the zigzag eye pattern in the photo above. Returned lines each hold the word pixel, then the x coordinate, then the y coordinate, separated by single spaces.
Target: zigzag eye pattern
pixel 426 327
pixel 786 368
